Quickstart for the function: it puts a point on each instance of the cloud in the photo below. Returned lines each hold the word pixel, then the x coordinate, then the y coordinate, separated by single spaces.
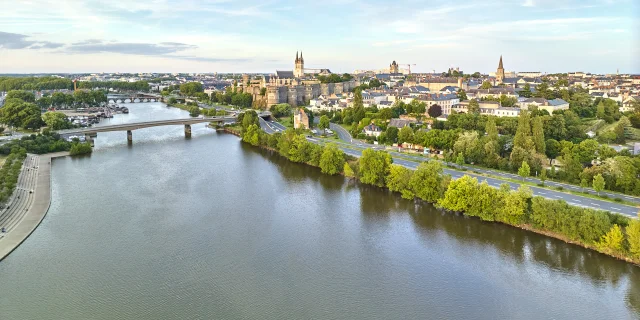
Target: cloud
pixel 529 3
pixel 19 41
pixel 145 49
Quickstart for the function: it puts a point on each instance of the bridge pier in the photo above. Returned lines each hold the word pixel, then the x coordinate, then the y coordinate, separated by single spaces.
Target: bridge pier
pixel 89 138
pixel 187 131
pixel 129 136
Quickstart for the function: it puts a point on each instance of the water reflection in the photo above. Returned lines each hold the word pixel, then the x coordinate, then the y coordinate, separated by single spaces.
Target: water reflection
pixel 378 206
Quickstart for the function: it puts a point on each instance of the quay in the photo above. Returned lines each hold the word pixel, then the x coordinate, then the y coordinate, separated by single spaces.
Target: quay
pixel 29 203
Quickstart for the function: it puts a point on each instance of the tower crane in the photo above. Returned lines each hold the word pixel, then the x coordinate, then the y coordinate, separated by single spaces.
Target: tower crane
pixel 408 65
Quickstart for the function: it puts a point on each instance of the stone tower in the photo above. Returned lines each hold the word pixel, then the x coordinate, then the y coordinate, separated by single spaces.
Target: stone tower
pixel 298 72
pixel 500 72
pixel 393 68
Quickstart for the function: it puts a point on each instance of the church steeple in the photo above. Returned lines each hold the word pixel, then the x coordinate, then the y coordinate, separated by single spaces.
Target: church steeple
pixel 500 72
pixel 296 56
pixel 301 58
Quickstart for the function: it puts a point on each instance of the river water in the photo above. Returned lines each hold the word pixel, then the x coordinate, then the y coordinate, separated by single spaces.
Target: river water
pixel 210 228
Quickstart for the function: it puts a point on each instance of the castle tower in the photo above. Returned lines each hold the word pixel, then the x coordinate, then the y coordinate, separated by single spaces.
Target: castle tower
pixel 500 72
pixel 298 72
pixel 393 68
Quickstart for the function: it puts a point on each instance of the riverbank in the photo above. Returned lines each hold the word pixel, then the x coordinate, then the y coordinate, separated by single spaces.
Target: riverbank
pixel 36 203
pixel 611 234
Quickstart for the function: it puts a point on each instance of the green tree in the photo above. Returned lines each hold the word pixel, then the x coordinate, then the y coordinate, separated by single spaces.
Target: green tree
pixel 633 237
pixel 332 160
pixel 398 181
pixel 392 134
pixel 459 195
pixel 523 133
pixel 348 172
pixel 486 85
pixel 538 135
pixel 252 135
pixel 524 170
pixel 612 241
pixel 324 122
pixel 462 95
pixel 25 96
pixel 55 120
pixel 428 181
pixel 194 111
pixel 552 149
pixel 598 183
pixel 543 176
pixel 514 204
pixel 18 113
pixel 78 148
pixel 191 88
pixel 405 135
pixel 374 167
pixel 474 106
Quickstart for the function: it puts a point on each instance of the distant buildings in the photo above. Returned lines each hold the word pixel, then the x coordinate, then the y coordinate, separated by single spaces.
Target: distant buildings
pixel 544 104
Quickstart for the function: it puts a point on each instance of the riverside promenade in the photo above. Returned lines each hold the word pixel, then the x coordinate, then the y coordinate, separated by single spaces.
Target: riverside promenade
pixel 29 203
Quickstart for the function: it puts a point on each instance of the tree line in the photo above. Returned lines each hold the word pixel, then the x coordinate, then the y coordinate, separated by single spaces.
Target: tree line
pixel 35 83
pixel 608 233
pixel 10 172
pixel 118 85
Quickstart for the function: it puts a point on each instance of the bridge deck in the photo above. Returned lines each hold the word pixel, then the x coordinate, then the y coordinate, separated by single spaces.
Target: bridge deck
pixel 147 124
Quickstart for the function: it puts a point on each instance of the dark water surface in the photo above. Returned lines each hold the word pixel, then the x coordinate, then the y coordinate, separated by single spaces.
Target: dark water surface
pixel 209 228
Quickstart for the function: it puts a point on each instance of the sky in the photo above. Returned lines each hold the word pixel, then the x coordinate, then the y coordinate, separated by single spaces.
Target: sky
pixel 72 36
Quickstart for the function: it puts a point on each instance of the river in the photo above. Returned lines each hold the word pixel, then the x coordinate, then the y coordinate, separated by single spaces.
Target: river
pixel 210 228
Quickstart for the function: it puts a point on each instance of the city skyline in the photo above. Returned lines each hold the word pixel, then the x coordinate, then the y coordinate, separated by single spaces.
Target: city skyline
pixel 342 35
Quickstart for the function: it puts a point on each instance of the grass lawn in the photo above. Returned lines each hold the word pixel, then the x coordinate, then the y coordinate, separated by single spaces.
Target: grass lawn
pixel 634 132
pixel 286 121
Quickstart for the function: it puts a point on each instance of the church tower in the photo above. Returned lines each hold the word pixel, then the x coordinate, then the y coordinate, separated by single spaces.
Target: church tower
pixel 500 72
pixel 393 68
pixel 298 72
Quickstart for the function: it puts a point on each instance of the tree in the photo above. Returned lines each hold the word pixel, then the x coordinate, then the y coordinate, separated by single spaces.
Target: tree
pixel 486 85
pixel 392 134
pixel 552 149
pixel 538 135
pixel 405 135
pixel 348 172
pixel 374 167
pixel 435 111
pixel 474 106
pixel 398 181
pixel 194 111
pixel 523 133
pixel 25 96
pixel 80 148
pixel 324 122
pixel 543 176
pixel 332 160
pixel 598 183
pixel 18 113
pixel 526 91
pixel 612 241
pixel 460 159
pixel 357 99
pixel 191 88
pixel 55 120
pixel 633 237
pixel 462 95
pixel 427 182
pixel 252 135
pixel 524 170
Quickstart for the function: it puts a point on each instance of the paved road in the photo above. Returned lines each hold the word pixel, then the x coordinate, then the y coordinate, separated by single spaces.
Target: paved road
pixel 575 200
pixel 345 136
pixel 27 208
pixel 571 199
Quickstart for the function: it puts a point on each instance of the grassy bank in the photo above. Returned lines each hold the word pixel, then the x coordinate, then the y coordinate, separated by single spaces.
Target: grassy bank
pixel 608 233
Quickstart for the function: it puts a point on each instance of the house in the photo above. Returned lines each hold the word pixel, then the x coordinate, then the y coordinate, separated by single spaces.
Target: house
pixel 543 104
pixel 446 101
pixel 506 112
pixel 629 103
pixel 449 89
pixel 300 119
pixel 400 123
pixel 486 107
pixel 372 130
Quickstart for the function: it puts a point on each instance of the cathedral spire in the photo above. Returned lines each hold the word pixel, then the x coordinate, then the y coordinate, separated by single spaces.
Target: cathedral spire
pixel 500 64
pixel 296 56
pixel 301 58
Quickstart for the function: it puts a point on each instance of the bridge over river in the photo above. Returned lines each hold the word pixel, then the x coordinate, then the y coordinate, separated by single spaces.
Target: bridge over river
pixel 92 132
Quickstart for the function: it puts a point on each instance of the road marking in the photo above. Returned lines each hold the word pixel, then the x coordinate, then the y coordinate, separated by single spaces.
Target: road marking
pixel 595 204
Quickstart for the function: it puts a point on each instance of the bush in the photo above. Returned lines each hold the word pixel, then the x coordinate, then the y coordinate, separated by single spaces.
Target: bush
pixel 559 188
pixel 81 148
pixel 617 200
